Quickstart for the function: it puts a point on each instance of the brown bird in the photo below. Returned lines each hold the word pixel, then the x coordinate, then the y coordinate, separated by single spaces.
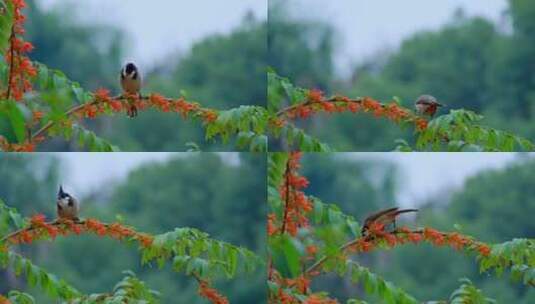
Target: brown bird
pixel 131 84
pixel 427 105
pixel 385 217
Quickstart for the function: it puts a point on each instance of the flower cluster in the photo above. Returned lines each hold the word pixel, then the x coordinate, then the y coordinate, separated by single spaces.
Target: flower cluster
pixel 103 101
pixel 301 286
pixel 5 145
pixel 39 228
pixel 4 300
pixel 296 203
pixel 317 102
pixel 20 66
pixel 297 289
pixel 403 235
pixel 211 293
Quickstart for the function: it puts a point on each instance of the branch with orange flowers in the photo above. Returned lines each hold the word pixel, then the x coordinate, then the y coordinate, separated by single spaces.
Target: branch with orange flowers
pixel 379 236
pixel 246 123
pixel 310 246
pixel 20 69
pixel 103 103
pixel 61 116
pixel 458 130
pixel 315 102
pixel 192 251
pixel 154 248
pixel 51 108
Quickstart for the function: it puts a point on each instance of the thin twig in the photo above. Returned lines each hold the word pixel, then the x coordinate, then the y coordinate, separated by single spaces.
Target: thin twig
pixel 334 99
pixel 287 201
pixel 11 61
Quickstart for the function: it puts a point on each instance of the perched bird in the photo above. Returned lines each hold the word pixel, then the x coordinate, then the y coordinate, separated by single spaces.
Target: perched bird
pixel 385 217
pixel 67 206
pixel 131 84
pixel 427 105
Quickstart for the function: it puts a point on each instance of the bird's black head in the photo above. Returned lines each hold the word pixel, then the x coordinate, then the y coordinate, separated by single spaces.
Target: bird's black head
pixel 62 194
pixel 130 67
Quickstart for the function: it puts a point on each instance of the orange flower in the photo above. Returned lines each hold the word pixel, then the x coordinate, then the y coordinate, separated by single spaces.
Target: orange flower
pixel 116 106
pixel 311 249
pixel 38 220
pixel 365 246
pixel 303 112
pixel 52 231
pixel 377 228
pixel 19 4
pixel 302 283
pixel 211 294
pixel 370 104
pixel 4 300
pixel 209 116
pixel 298 182
pixel 184 108
pixel 285 298
pixel 390 239
pixel 26 47
pixel 26 237
pixel 328 107
pixel 160 102
pixel 90 111
pixel 271 229
pixel 96 226
pixel 484 250
pixel 457 241
pixel 102 95
pixel 415 237
pixel 421 124
pixel 434 236
pixel 277 122
pixel 37 116
pixel 145 240
pixel 302 202
pixel 316 299
pixel 315 95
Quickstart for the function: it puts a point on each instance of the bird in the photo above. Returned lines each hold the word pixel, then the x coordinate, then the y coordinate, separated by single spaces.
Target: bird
pixel 385 217
pixel 427 105
pixel 67 207
pixel 131 84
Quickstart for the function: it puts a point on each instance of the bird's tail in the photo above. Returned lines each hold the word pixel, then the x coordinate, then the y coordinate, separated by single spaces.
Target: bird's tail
pixel 406 211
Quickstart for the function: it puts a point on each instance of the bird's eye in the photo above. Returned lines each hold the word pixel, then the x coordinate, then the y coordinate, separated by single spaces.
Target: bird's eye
pixel 70 202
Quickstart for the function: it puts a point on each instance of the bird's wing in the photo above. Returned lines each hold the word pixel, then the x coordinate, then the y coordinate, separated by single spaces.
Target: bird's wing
pixel 377 215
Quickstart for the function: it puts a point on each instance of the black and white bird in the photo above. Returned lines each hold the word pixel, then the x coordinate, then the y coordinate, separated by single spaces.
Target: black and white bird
pixel 131 84
pixel 67 207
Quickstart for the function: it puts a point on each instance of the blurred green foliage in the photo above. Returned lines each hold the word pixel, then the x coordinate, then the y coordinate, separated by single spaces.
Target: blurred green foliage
pixel 494 206
pixel 220 71
pixel 470 63
pixel 225 198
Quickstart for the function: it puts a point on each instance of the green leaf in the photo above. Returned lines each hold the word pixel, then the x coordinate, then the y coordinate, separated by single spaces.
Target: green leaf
pixel 6 23
pixel 17 120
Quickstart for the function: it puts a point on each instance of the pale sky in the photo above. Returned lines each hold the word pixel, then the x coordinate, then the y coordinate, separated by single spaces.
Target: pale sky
pixel 85 171
pixel 161 27
pixel 367 26
pixel 423 175
pixel 157 28
pixel 426 175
